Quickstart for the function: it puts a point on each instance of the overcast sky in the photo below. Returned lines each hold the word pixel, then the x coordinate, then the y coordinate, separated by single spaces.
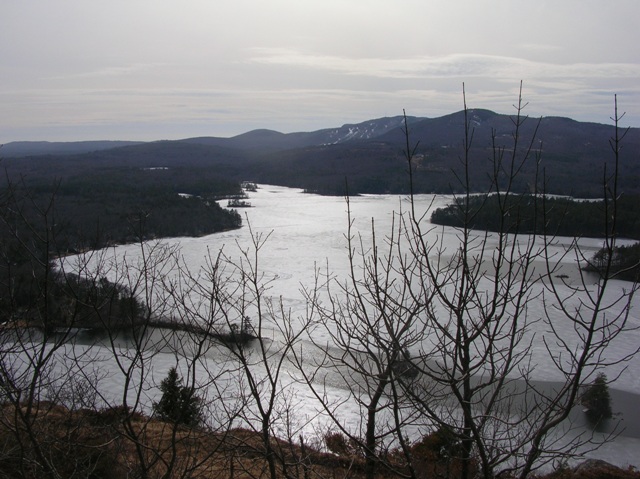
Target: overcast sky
pixel 159 69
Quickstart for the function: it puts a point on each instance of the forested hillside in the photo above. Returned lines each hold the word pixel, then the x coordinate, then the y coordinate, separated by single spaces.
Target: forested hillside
pixel 570 156
pixel 54 206
pixel 169 188
pixel 100 200
pixel 528 214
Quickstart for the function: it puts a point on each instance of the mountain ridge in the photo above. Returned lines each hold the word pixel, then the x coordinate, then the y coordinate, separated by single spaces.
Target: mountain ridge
pixel 384 128
pixel 262 138
pixel 370 155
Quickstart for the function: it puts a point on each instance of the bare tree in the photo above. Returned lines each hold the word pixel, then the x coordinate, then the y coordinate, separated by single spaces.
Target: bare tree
pixel 232 294
pixel 167 325
pixel 467 317
pixel 370 320
pixel 40 316
pixel 483 315
pixel 59 418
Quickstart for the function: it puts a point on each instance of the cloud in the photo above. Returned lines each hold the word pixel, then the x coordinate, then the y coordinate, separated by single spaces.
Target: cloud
pixel 113 71
pixel 539 47
pixel 455 65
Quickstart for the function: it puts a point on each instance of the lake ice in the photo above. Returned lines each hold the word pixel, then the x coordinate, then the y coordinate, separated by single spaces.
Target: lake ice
pixel 308 231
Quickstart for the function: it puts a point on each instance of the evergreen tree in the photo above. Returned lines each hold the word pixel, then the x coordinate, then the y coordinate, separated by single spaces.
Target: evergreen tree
pixel 178 403
pixel 597 400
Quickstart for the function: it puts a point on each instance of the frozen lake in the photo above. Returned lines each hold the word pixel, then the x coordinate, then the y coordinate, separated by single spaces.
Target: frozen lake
pixel 308 231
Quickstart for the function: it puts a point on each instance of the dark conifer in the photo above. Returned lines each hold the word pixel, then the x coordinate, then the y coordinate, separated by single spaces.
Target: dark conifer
pixel 178 403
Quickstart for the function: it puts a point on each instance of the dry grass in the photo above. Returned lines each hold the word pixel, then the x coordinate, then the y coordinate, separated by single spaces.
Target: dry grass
pixel 113 444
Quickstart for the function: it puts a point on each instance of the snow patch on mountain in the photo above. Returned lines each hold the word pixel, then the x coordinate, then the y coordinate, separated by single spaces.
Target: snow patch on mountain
pixel 363 131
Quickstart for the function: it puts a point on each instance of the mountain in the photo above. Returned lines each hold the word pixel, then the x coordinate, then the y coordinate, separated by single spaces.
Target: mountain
pixel 273 140
pixel 261 139
pixel 369 156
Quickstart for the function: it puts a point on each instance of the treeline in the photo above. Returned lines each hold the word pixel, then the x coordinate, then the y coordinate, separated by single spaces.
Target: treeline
pixel 145 214
pixel 54 301
pixel 47 213
pixel 35 292
pixel 96 220
pixel 37 228
pixel 624 263
pixel 99 206
pixel 528 214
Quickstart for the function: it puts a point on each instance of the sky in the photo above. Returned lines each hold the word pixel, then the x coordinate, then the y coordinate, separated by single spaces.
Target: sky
pixel 167 69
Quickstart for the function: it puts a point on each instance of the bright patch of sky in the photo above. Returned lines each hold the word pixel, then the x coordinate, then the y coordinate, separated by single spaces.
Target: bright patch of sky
pixel 156 69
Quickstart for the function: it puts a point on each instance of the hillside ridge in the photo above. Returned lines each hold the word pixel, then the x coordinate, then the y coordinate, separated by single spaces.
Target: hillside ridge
pixel 385 128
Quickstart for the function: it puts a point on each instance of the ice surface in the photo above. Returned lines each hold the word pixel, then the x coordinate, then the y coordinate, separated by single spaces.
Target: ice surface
pixel 308 231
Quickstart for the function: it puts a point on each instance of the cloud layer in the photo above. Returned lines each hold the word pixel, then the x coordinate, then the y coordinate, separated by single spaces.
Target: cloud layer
pixel 149 70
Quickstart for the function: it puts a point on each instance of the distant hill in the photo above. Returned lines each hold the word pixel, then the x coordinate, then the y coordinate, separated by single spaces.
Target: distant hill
pixel 273 140
pixel 261 139
pixel 18 149
pixel 369 155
